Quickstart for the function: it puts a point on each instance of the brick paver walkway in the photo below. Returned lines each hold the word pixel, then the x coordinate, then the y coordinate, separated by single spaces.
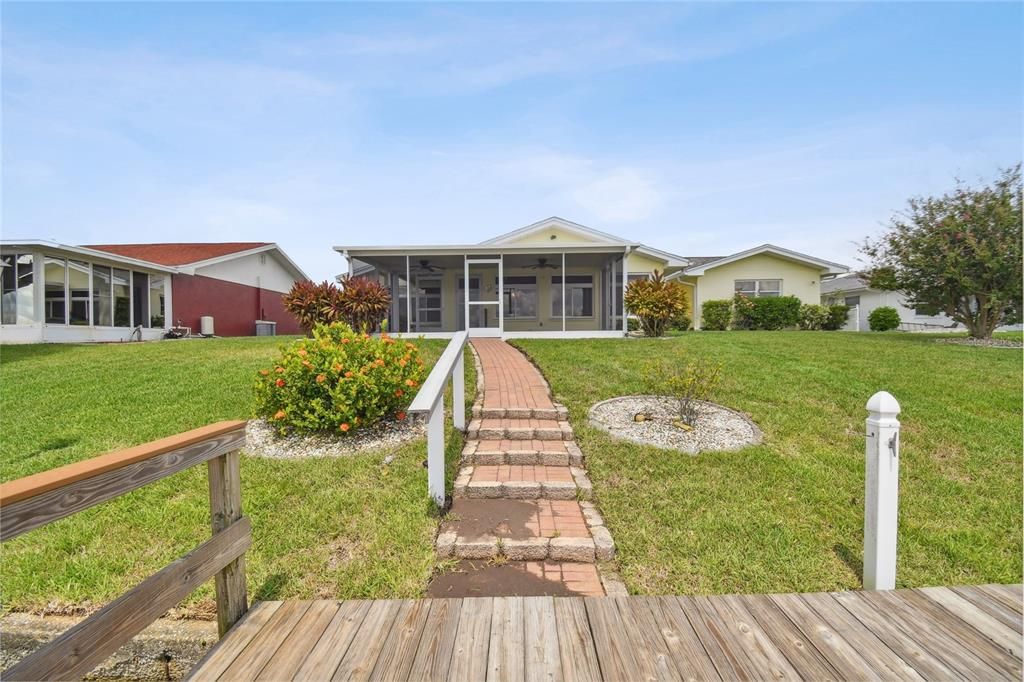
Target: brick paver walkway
pixel 516 508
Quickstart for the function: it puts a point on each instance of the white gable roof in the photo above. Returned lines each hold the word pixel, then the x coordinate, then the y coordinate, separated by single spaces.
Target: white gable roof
pixel 554 221
pixel 826 267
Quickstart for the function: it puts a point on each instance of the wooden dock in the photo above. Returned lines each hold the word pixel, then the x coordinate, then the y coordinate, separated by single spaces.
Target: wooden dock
pixel 931 633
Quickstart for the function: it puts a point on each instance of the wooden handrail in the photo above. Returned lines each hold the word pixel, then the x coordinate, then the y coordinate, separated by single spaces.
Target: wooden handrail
pixel 36 484
pixel 40 499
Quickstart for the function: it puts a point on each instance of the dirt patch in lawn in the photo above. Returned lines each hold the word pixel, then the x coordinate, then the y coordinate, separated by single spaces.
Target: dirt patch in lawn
pixel 484 579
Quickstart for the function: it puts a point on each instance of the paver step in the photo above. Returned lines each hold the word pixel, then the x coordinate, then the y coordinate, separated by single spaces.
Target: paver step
pixel 523 482
pixel 483 578
pixel 524 530
pixel 558 412
pixel 519 429
pixel 505 451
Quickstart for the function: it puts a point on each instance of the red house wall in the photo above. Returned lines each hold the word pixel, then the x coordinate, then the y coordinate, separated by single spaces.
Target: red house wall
pixel 234 307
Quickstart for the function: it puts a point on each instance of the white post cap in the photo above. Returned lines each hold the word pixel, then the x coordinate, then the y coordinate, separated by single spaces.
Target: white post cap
pixel 883 404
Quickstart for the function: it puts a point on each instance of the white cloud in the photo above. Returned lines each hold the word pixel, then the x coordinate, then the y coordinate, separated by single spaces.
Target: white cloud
pixel 622 195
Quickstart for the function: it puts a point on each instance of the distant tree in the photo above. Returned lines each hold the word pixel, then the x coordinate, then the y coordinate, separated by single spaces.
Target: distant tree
pixel 959 254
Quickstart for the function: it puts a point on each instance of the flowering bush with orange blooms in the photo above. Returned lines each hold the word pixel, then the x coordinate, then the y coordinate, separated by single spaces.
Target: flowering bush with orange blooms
pixel 338 381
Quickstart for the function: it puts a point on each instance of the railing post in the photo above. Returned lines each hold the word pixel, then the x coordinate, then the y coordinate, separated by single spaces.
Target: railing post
pixel 435 453
pixel 459 392
pixel 881 491
pixel 226 508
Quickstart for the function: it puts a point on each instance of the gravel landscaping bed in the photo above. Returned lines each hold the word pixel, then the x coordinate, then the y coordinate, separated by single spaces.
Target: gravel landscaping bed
pixel 262 440
pixel 717 427
pixel 991 343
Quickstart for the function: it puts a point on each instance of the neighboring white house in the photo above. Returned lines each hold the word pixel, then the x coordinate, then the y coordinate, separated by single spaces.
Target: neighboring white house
pixel 853 290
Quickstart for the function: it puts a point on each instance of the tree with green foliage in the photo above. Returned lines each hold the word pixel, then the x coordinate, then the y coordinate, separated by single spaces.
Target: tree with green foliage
pixel 656 302
pixel 959 253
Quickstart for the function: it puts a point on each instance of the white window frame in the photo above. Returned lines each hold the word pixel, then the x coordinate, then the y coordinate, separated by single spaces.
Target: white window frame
pixel 757 287
pixel 507 290
pixel 567 288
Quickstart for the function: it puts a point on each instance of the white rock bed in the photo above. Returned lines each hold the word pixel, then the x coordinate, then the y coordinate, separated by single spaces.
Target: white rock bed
pixel 989 343
pixel 261 440
pixel 717 427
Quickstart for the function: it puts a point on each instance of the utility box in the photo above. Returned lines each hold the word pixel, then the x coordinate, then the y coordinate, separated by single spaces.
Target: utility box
pixel 266 328
pixel 206 325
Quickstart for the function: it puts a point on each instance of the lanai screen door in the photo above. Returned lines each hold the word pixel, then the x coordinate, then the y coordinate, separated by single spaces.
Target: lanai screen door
pixel 484 306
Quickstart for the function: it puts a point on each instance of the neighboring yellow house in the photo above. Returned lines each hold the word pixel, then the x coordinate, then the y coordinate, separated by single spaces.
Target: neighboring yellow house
pixel 518 281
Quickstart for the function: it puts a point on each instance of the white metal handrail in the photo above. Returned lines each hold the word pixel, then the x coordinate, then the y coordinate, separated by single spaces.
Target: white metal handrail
pixel 429 402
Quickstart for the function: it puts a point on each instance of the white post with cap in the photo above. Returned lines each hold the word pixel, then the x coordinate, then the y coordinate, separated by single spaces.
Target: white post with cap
pixel 881 491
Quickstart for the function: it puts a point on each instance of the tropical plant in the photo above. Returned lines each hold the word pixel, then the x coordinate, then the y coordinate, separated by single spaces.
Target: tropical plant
pixel 959 253
pixel 883 318
pixel 656 302
pixel 360 302
pixel 715 315
pixel 364 303
pixel 338 381
pixel 687 380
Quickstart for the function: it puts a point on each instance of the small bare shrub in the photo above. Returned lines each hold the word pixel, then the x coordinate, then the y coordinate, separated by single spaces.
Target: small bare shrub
pixel 687 380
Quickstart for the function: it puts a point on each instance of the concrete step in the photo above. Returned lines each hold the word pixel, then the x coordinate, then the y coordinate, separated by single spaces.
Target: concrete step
pixel 498 451
pixel 524 530
pixel 519 429
pixel 523 482
pixel 558 413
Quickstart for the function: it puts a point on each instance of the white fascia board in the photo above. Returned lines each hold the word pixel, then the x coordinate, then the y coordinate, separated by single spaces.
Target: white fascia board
pixel 190 268
pixel 93 254
pixel 476 249
pixel 827 267
pixel 560 222
pixel 671 259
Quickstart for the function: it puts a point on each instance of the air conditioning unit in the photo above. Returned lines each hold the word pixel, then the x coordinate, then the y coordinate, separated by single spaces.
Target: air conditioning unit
pixel 206 325
pixel 266 328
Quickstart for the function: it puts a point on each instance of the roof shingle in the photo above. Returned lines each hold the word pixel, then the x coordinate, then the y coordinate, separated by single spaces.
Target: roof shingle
pixel 181 253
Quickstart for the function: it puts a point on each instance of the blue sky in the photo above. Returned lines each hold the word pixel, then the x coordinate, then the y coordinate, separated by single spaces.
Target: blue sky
pixel 700 129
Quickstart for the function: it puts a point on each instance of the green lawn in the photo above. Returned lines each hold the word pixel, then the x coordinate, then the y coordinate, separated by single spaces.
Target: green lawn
pixel 346 527
pixel 787 515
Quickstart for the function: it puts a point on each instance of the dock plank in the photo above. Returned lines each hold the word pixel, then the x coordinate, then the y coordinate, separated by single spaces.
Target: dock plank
pixel 929 633
pixel 691 660
pixel 365 648
pixel 1010 595
pixel 434 656
pixel 333 644
pixel 575 642
pixel 472 640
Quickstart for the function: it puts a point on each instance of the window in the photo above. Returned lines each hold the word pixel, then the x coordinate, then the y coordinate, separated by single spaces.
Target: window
pixel 427 303
pixel 520 294
pixel 122 298
pixel 579 296
pixel 102 308
pixel 55 294
pixel 78 288
pixel 156 301
pixel 17 299
pixel 755 288
pixel 852 300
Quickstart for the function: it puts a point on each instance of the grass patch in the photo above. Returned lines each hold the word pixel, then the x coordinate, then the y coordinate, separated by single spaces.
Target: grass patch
pixel 343 527
pixel 787 515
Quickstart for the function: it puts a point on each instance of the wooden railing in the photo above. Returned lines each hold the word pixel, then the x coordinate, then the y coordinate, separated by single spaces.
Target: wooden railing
pixel 37 500
pixel 429 403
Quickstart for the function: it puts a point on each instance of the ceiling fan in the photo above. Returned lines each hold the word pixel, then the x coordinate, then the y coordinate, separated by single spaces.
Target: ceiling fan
pixel 541 264
pixel 425 266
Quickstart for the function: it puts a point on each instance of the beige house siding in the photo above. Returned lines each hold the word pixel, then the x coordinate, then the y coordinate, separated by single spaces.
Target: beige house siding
pixel 802 281
pixel 639 262
pixel 551 236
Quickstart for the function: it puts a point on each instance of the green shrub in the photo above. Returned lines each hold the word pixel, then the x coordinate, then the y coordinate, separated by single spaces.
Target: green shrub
pixel 837 314
pixel 771 313
pixel 715 314
pixel 656 302
pixel 686 380
pixel 681 324
pixel 360 302
pixel 339 381
pixel 813 316
pixel 883 319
